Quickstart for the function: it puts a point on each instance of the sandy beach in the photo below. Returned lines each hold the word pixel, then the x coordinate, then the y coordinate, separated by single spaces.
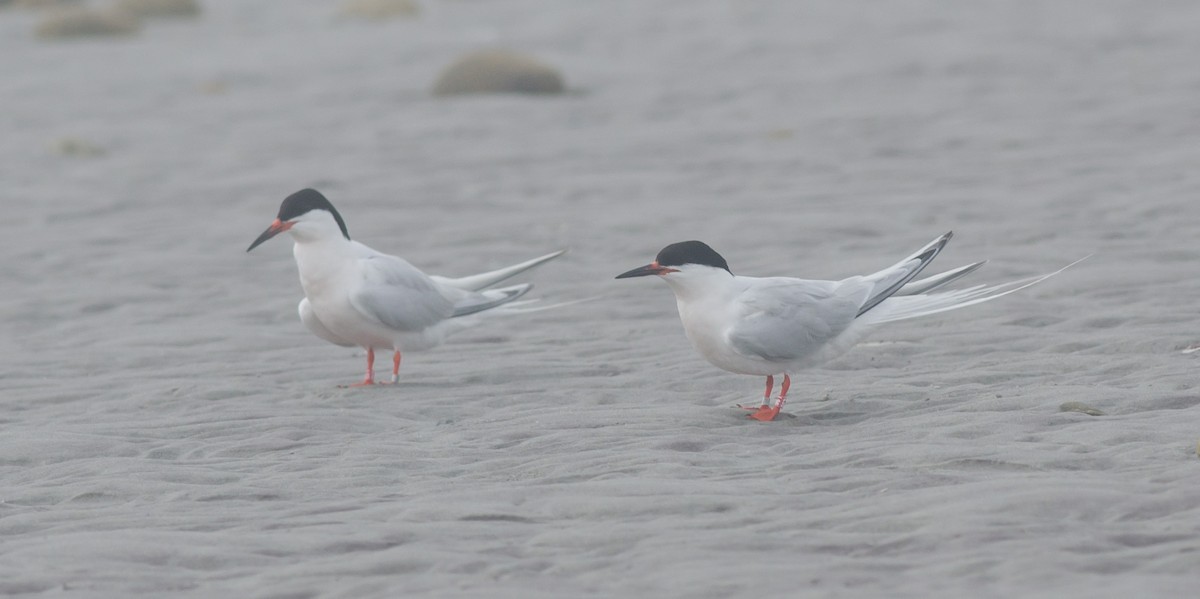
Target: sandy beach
pixel 168 428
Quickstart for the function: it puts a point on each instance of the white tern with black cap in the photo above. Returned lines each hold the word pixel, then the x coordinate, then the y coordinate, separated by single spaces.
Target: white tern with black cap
pixel 778 325
pixel 354 295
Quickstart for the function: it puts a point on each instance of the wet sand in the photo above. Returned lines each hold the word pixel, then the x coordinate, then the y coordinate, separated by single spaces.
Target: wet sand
pixel 168 426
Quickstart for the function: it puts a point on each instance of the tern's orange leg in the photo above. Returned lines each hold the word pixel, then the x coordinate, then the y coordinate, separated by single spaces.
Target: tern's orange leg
pixel 766 413
pixel 370 380
pixel 396 367
pixel 766 395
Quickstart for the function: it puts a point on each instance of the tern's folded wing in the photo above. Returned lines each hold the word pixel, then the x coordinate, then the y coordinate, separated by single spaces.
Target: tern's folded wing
pixel 789 319
pixel 396 294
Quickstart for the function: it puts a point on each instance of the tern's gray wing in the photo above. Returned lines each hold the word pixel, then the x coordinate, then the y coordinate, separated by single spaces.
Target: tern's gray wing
pixel 394 293
pixel 783 319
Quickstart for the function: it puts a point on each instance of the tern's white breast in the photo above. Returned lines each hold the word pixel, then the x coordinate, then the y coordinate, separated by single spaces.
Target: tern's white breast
pixel 329 273
pixel 707 322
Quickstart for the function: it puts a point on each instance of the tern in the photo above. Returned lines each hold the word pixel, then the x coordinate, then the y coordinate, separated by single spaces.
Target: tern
pixel 354 295
pixel 777 325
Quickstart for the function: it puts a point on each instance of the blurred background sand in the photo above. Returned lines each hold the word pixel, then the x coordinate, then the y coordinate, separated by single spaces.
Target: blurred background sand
pixel 168 427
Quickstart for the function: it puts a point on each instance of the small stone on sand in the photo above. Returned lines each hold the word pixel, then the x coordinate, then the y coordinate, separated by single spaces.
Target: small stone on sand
pixel 159 8
pixel 379 10
pixel 83 22
pixel 40 4
pixel 1077 406
pixel 70 146
pixel 214 87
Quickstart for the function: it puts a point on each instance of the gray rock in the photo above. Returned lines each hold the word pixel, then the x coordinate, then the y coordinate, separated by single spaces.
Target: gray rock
pixel 498 72
pixel 159 8
pixel 378 10
pixel 83 22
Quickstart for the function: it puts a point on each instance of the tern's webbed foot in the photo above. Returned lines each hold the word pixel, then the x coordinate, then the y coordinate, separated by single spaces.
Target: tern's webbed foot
pixel 765 413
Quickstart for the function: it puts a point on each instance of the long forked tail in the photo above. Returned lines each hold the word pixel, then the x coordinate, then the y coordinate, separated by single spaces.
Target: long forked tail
pixel 501 301
pixel 903 307
pixel 930 283
pixel 487 279
pixel 488 299
pixel 891 279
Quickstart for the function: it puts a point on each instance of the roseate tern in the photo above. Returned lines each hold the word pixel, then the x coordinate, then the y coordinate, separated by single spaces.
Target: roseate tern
pixel 777 325
pixel 354 295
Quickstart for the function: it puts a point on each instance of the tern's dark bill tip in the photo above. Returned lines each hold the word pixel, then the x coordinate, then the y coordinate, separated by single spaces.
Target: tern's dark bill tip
pixel 269 233
pixel 650 269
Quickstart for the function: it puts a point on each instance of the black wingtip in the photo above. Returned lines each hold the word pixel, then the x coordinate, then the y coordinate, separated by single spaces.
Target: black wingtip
pixel 924 257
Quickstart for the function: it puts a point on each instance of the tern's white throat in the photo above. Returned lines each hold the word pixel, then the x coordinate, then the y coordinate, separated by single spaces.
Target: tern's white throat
pixel 693 282
pixel 316 226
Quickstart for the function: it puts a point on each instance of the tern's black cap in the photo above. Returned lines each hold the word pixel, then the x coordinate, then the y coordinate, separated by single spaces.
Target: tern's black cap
pixel 305 201
pixel 691 252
